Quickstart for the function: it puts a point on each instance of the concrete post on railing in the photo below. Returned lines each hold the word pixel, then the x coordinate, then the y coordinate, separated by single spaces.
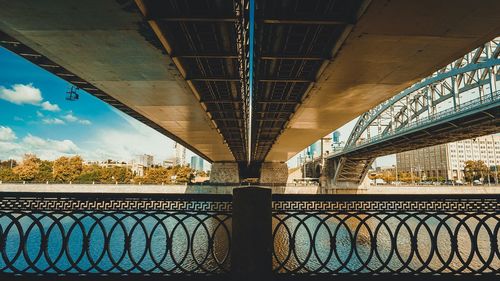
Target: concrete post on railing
pixel 252 242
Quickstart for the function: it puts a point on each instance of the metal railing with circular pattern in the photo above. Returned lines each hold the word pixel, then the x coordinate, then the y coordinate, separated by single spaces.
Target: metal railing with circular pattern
pixel 112 234
pixel 376 235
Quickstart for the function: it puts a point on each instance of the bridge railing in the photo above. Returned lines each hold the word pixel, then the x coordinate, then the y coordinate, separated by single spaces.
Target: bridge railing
pixel 466 106
pixel 94 235
pixel 373 235
pixel 186 236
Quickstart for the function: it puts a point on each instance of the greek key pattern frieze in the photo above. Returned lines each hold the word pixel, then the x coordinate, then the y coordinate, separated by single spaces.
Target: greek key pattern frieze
pixel 484 205
pixel 127 204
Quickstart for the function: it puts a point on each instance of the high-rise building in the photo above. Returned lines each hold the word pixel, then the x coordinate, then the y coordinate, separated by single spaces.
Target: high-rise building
pixel 180 154
pixel 196 163
pixel 140 164
pixel 448 160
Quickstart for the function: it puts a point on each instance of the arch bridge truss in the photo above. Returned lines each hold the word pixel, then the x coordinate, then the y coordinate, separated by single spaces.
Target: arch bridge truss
pixel 409 120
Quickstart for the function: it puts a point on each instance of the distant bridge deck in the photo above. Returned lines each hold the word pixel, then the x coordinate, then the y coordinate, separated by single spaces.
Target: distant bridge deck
pixel 475 118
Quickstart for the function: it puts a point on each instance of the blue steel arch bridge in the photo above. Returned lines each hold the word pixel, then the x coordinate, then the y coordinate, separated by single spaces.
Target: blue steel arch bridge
pixel 459 101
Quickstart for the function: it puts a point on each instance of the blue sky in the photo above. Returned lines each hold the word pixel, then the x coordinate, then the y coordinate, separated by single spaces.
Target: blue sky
pixel 35 117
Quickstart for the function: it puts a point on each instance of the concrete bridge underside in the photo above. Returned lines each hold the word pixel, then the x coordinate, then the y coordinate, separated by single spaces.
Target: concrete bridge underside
pixel 175 66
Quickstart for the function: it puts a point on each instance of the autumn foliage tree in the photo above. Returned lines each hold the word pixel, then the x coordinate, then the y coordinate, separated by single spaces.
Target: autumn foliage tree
pixel 67 169
pixel 183 174
pixel 158 175
pixel 6 173
pixel 115 174
pixel 72 169
pixel 29 168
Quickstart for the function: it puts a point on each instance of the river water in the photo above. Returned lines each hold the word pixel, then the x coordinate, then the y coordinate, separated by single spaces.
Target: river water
pixel 135 242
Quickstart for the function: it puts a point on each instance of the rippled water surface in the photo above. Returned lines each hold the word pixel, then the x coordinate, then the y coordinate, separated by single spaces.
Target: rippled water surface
pixel 189 242
pixel 341 243
pixel 119 243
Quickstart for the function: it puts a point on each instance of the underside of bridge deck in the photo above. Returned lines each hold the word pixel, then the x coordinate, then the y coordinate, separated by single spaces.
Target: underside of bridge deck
pixel 389 47
pixel 206 40
pixel 294 42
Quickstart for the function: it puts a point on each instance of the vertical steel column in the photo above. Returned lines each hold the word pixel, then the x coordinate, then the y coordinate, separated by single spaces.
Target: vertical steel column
pixel 493 80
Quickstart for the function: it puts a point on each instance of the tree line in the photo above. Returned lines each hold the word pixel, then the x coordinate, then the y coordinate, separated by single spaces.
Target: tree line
pixel 473 170
pixel 73 170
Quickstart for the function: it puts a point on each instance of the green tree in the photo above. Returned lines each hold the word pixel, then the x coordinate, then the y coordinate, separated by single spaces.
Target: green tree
pixel 29 168
pixel 7 175
pixel 475 170
pixel 90 174
pixel 67 169
pixel 45 171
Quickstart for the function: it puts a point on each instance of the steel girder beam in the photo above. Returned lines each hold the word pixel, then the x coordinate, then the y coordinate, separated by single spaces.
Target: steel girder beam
pixel 294 41
pixel 208 43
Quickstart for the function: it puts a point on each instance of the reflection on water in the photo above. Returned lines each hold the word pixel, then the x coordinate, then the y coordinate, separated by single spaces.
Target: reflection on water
pixel 194 242
pixel 125 242
pixel 371 242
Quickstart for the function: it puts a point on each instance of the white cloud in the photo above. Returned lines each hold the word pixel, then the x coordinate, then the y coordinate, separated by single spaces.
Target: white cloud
pixel 8 147
pixel 39 114
pixel 6 134
pixel 50 149
pixel 34 141
pixel 26 94
pixel 64 146
pixel 53 121
pixel 21 94
pixel 124 144
pixel 84 122
pixel 49 106
pixel 70 117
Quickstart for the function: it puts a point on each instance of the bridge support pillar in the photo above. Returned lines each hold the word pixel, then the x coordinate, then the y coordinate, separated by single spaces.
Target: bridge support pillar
pixel 252 241
pixel 273 173
pixel 341 173
pixel 225 173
